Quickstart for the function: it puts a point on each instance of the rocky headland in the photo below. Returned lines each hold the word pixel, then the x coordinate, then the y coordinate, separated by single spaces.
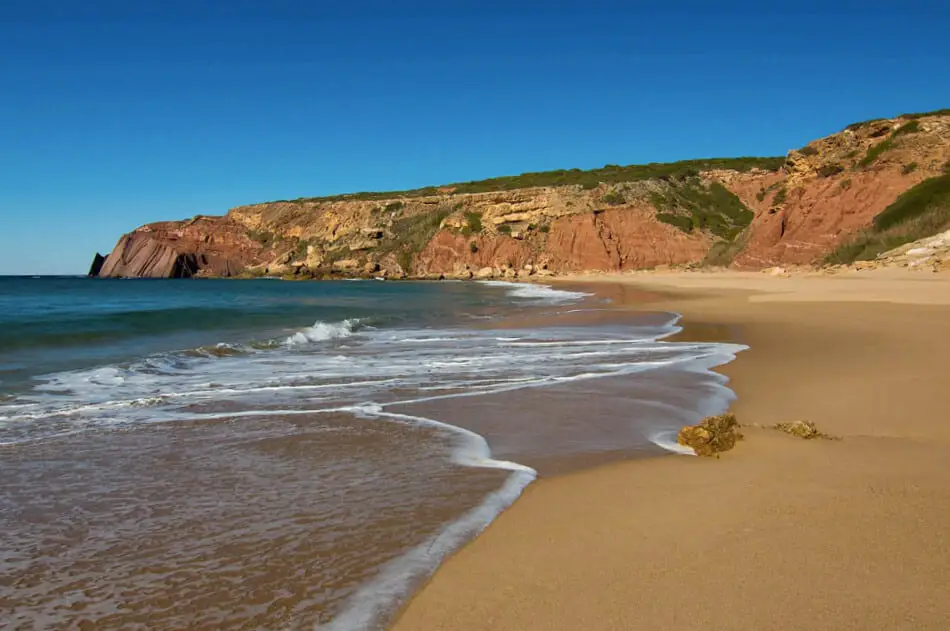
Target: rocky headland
pixel 853 196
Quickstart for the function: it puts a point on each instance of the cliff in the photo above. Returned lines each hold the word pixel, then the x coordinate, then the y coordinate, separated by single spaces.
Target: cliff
pixel 810 206
pixel 202 246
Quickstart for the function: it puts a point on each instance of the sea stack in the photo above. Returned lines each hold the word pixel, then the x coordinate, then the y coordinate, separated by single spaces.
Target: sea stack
pixel 97 262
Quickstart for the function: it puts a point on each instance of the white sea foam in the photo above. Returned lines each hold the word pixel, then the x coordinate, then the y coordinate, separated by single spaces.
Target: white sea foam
pixel 322 331
pixel 537 293
pixel 376 365
pixel 397 578
pixel 302 376
pixel 667 440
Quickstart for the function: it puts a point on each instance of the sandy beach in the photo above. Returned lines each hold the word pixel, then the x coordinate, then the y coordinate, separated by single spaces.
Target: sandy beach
pixel 779 533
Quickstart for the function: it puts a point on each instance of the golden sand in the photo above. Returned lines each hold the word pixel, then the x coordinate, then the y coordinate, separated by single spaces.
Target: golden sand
pixel 780 533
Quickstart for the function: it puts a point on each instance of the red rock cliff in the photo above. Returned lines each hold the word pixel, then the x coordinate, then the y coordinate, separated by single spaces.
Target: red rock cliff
pixel 210 246
pixel 826 193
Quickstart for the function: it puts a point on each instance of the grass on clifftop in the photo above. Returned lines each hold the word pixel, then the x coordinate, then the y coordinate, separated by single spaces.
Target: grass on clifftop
pixel 610 174
pixel 911 116
pixel 919 212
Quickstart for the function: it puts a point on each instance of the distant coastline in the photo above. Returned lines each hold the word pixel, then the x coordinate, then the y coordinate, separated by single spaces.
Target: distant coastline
pixel 843 199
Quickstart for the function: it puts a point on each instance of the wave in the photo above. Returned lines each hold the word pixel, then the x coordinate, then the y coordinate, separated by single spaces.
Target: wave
pixel 667 440
pixel 374 365
pixel 537 293
pixel 323 331
pixel 374 369
pixel 399 578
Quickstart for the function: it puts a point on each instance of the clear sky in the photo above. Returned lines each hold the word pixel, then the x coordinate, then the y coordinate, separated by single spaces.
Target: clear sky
pixel 115 113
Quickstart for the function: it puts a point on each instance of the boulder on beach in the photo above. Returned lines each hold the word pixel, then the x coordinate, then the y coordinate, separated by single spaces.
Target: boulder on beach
pixel 713 435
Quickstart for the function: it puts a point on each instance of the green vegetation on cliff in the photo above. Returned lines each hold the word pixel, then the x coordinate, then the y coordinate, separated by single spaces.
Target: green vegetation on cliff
pixel 614 198
pixel 473 223
pixel 876 150
pixel 264 237
pixel 689 204
pixel 912 116
pixel 919 212
pixel 610 174
pixel 410 235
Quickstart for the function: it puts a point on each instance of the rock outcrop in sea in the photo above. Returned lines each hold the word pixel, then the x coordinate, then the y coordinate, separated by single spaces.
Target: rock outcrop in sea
pixel 97 262
pixel 813 206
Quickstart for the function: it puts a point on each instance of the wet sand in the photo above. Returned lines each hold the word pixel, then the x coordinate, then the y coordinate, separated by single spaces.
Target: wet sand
pixel 779 533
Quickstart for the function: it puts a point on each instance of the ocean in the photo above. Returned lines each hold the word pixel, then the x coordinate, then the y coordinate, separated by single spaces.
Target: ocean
pixel 215 454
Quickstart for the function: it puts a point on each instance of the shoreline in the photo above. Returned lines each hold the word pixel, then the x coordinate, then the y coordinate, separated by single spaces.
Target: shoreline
pixel 388 563
pixel 779 532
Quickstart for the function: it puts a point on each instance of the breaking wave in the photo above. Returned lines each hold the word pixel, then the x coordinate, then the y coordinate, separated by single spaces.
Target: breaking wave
pixel 313 371
pixel 322 331
pixel 537 293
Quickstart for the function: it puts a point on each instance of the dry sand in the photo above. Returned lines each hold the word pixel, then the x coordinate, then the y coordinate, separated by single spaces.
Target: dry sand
pixel 780 533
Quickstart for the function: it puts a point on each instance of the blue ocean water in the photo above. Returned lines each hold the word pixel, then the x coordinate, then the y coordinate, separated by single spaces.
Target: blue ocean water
pixel 219 454
pixel 52 324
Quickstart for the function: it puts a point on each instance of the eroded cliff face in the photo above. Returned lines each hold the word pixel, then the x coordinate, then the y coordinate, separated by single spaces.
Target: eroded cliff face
pixel 614 239
pixel 830 190
pixel 826 192
pixel 554 229
pixel 203 246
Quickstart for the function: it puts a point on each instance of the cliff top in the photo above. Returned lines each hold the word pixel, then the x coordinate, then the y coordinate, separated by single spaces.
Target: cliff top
pixel 612 173
pixel 589 179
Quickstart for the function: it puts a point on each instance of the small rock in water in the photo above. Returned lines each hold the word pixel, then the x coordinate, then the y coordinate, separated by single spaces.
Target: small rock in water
pixel 713 435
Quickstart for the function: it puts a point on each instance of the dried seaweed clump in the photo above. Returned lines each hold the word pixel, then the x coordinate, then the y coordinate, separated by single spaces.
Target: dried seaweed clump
pixel 712 436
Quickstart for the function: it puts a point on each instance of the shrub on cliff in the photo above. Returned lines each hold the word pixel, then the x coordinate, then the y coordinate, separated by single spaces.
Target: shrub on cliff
pixel 689 204
pixel 410 235
pixel 614 198
pixel 916 115
pixel 877 150
pixel 300 251
pixel 907 128
pixel 931 195
pixel 912 116
pixel 921 211
pixel 830 169
pixel 473 221
pixel 264 237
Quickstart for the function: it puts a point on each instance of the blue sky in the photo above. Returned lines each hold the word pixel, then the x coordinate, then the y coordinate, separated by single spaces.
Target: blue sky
pixel 117 113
